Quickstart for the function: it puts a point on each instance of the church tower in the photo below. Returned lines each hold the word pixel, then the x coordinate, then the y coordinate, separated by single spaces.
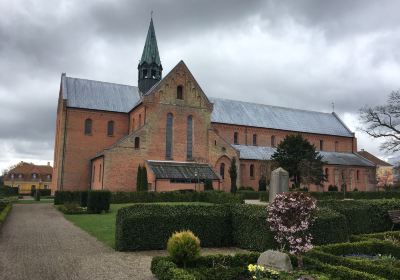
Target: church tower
pixel 149 67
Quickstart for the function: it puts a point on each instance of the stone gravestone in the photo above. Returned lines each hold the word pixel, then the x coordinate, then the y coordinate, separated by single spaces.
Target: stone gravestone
pixel 279 182
pixel 276 260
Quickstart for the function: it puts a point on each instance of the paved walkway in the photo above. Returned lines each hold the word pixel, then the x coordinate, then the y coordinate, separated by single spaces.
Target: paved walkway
pixel 36 243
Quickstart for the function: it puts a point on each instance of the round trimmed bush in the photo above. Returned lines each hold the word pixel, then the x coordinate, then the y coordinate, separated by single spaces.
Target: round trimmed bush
pixel 183 247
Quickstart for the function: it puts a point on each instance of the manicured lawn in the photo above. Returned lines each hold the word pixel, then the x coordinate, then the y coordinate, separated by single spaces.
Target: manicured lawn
pixel 102 226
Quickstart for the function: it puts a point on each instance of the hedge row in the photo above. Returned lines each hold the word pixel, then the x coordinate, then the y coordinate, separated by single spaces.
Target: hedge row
pixel 148 226
pixel 364 216
pixel 334 254
pixel 247 194
pixel 375 236
pixel 251 231
pixel 8 191
pixel 212 267
pixel 43 192
pixel 217 197
pixel 5 208
pixel 347 195
pixel 79 197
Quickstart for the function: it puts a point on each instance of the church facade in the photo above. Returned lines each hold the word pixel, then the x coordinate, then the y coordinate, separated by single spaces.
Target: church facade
pixel 104 131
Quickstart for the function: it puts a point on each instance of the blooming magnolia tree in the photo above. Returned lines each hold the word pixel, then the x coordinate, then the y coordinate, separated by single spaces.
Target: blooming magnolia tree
pixel 290 216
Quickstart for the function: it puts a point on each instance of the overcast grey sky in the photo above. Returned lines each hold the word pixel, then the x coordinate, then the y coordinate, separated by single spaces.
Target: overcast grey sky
pixel 301 54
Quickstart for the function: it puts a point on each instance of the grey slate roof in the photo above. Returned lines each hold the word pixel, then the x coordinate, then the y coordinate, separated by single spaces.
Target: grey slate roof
pixel 181 170
pixel 265 153
pixel 89 94
pixel 267 116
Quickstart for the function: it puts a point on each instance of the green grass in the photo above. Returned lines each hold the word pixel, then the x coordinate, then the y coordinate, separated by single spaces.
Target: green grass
pixel 102 226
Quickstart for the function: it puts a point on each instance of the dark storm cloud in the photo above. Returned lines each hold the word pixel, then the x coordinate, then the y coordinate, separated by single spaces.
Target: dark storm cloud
pixel 300 53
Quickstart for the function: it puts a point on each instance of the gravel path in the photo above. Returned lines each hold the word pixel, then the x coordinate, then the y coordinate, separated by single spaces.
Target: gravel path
pixel 36 243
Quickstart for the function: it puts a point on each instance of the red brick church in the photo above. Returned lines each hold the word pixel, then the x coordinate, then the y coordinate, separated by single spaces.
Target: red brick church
pixel 104 131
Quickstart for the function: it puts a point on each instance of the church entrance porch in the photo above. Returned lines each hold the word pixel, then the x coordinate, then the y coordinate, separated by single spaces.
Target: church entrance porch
pixel 175 175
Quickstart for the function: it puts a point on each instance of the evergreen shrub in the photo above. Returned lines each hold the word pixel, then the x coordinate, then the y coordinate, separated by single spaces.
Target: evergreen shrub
pixel 148 226
pixel 98 201
pixel 183 247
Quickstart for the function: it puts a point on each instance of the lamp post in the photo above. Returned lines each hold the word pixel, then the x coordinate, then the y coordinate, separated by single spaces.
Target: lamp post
pixel 195 176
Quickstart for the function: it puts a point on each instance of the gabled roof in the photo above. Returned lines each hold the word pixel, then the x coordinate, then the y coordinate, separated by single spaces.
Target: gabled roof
pixel 373 158
pixel 27 169
pixel 181 170
pixel 89 94
pixel 267 116
pixel 150 53
pixel 335 158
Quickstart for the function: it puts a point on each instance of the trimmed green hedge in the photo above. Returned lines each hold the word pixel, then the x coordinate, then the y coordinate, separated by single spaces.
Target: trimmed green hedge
pixel 8 191
pixel 251 231
pixel 148 226
pixel 377 236
pixel 247 194
pixel 80 197
pixel 43 192
pixel 364 216
pixel 98 201
pixel 350 195
pixel 4 211
pixel 212 267
pixel 335 254
pixel 217 197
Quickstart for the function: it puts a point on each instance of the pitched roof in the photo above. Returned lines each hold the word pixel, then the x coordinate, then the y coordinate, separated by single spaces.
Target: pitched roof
pixel 96 95
pixel 150 51
pixel 265 153
pixel 373 158
pixel 267 116
pixel 27 169
pixel 181 170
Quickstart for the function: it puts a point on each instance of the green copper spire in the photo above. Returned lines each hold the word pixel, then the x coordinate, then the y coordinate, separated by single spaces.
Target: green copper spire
pixel 150 53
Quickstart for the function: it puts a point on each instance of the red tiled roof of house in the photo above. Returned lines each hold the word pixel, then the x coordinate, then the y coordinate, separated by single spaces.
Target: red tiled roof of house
pixel 27 169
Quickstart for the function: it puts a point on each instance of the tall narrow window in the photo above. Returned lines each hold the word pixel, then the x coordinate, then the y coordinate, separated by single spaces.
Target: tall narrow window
pixel 133 124
pixel 358 175
pixel 179 92
pixel 336 146
pixel 168 136
pixel 137 142
pixel 222 170
pixel 140 120
pixel 100 173
pixel 321 145
pixel 189 138
pixel 88 126
pixel 327 174
pixel 94 173
pixel 153 73
pixel 254 139
pixel 273 141
pixel 145 73
pixel 110 128
pixel 236 138
pixel 251 170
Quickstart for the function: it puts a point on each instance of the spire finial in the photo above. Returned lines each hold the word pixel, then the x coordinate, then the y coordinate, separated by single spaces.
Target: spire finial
pixel 151 14
pixel 333 106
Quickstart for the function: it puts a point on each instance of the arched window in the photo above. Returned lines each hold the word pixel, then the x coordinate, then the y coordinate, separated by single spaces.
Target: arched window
pixel 251 170
pixel 222 170
pixel 254 139
pixel 110 128
pixel 168 136
pixel 137 142
pixel 88 126
pixel 273 141
pixel 236 138
pixel 327 174
pixel 140 120
pixel 189 147
pixel 358 175
pixel 145 73
pixel 179 92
